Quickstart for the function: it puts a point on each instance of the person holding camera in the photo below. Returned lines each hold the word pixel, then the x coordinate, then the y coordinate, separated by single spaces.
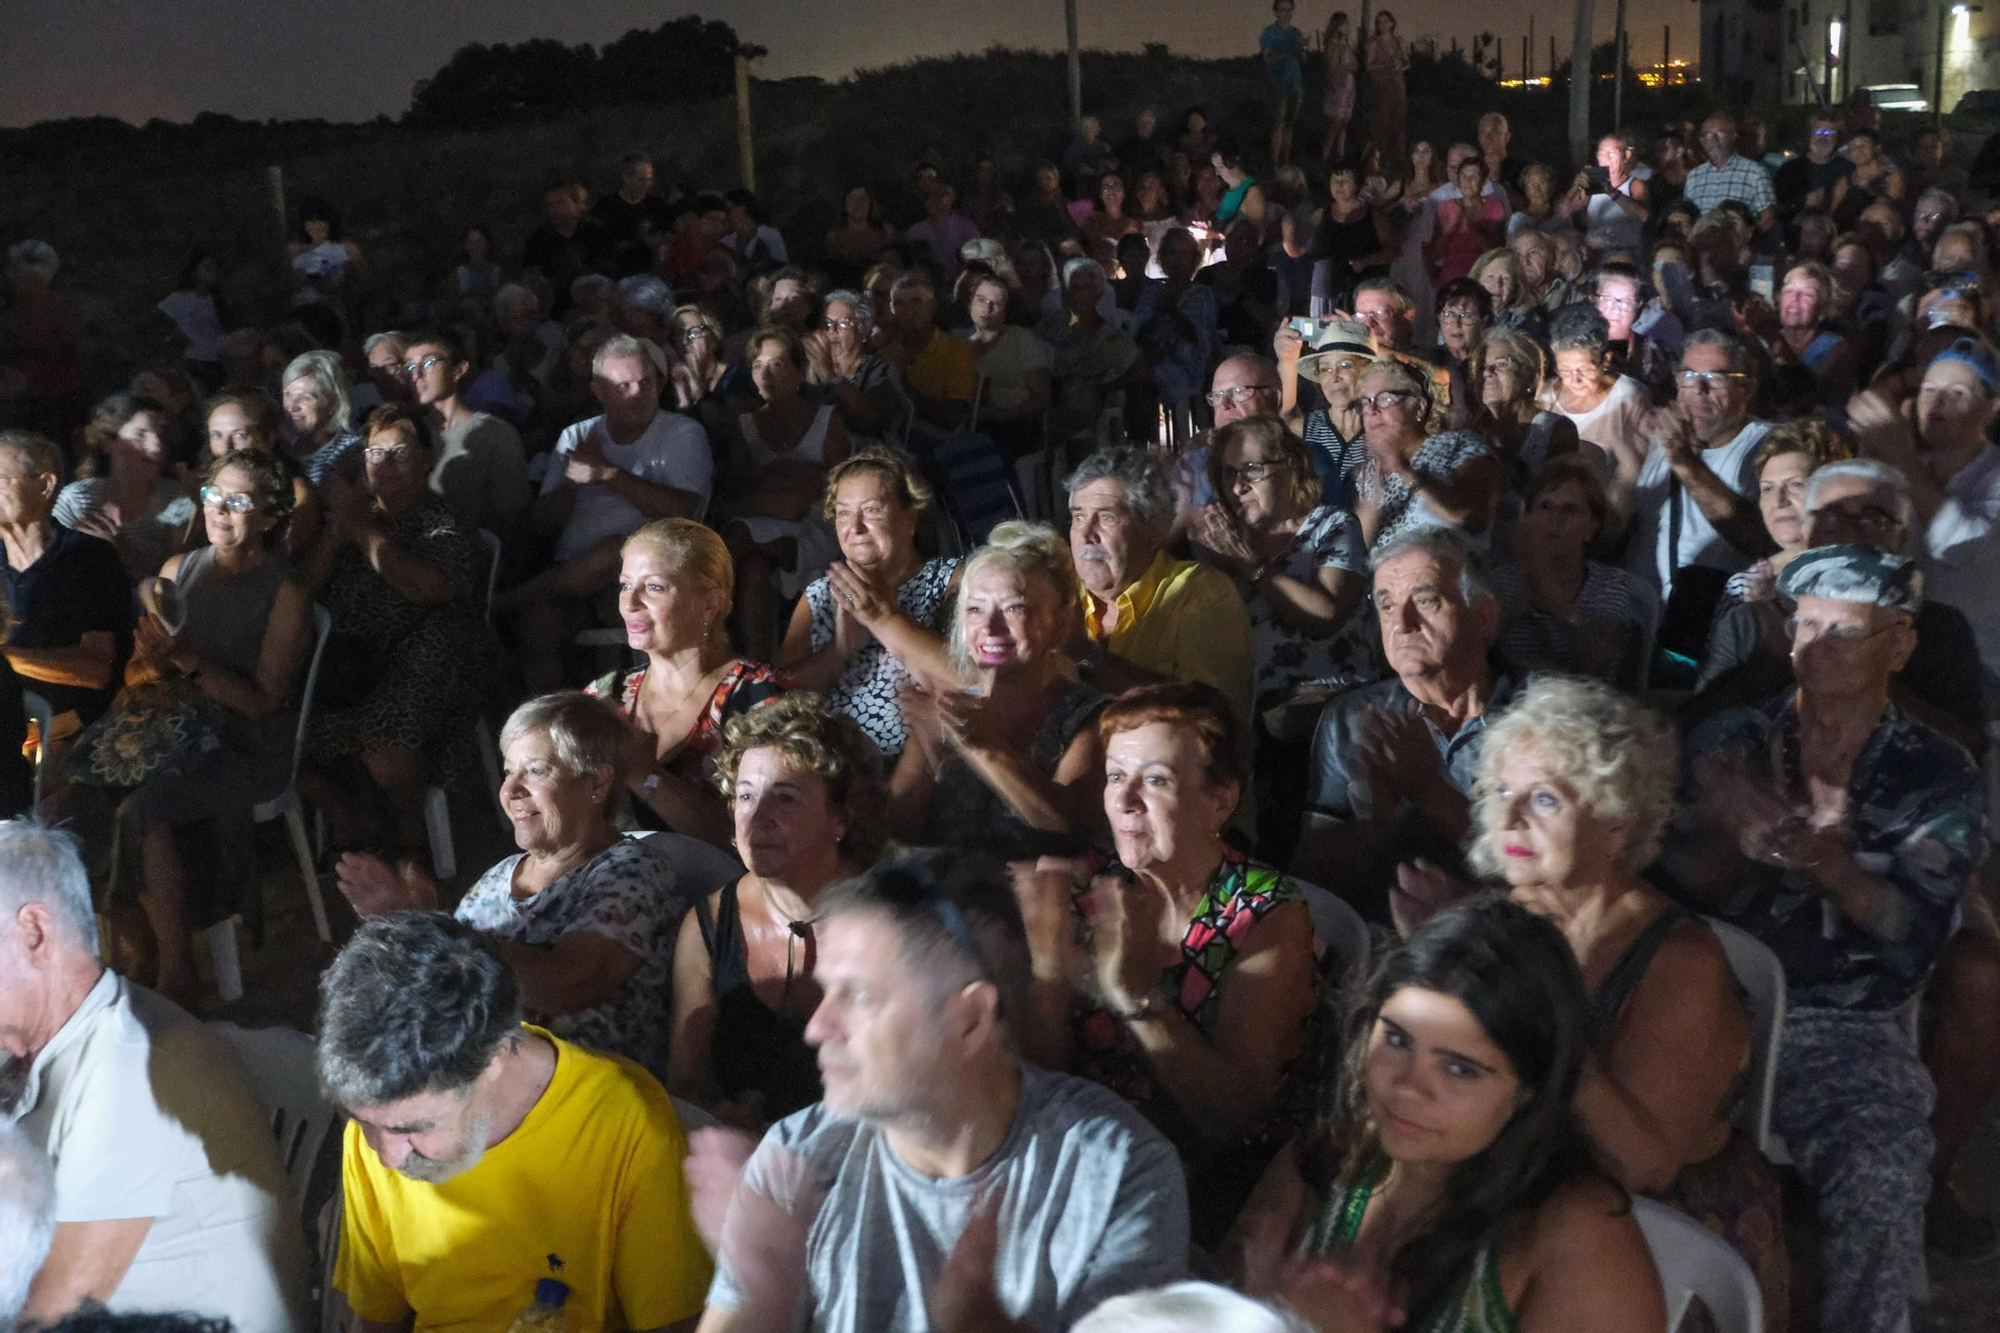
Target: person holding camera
pixel 1612 197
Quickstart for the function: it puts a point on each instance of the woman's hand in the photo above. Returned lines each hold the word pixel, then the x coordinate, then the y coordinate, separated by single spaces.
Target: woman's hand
pixel 152 644
pixel 105 522
pixel 1216 530
pixel 1760 582
pixel 374 888
pixel 968 722
pixel 1127 944
pixel 346 504
pixel 1287 344
pixel 1346 1295
pixel 1422 891
pixel 859 596
pixel 1881 431
pixel 919 707
pixel 1046 892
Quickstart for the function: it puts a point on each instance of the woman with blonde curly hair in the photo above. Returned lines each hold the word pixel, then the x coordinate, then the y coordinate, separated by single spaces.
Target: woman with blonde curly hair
pixel 1574 788
pixel 675 587
pixel 876 619
pixel 804 788
pixel 1007 761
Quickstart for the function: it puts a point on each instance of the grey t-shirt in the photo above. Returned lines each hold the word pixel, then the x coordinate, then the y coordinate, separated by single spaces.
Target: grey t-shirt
pixel 1094 1205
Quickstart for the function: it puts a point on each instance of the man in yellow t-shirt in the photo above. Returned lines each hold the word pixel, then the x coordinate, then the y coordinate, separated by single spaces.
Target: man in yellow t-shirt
pixel 484 1155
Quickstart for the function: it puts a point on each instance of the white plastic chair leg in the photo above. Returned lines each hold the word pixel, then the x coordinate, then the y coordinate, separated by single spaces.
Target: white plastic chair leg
pixel 222 950
pixel 437 824
pixel 295 825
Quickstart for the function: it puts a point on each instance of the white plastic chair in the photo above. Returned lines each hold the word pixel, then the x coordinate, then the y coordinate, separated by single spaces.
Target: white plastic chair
pixel 43 715
pixel 437 804
pixel 700 867
pixel 285 805
pixel 286 1084
pixel 1694 1261
pixel 1338 927
pixel 1762 977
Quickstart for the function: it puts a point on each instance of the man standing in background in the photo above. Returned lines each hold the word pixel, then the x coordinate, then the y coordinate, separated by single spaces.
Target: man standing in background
pixel 1283 48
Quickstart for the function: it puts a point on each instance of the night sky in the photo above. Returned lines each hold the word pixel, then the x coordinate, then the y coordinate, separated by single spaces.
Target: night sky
pixel 354 59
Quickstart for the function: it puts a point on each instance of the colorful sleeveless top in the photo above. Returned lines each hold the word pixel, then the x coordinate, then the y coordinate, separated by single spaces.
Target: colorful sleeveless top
pixel 1482 1306
pixel 1238 897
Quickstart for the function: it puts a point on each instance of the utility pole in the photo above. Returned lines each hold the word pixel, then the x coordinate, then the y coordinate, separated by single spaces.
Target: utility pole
pixel 1618 68
pixel 1075 69
pixel 1579 82
pixel 1528 49
pixel 746 146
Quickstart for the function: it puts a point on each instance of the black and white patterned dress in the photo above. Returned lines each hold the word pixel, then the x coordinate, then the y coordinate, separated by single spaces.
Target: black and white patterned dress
pixel 867 686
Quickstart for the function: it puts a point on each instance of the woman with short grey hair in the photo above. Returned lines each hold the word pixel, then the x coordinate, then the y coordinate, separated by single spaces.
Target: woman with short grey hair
pixel 866 388
pixel 586 917
pixel 1415 473
pixel 317 404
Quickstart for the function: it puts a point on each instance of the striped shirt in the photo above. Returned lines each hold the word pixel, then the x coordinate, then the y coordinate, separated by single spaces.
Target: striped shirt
pixel 1739 178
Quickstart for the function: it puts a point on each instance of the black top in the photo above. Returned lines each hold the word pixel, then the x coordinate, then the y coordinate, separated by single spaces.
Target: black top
pixel 1347 241
pixel 564 259
pixel 17 785
pixel 622 223
pixel 78 586
pixel 755 1049
pixel 1608 1000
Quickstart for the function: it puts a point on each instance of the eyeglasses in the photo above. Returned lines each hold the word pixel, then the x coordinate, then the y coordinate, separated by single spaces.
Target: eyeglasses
pixel 697 333
pixel 1845 635
pixel 911 892
pixel 1930 215
pixel 1231 397
pixel 1824 134
pixel 1250 473
pixel 1383 401
pixel 423 367
pixel 1460 317
pixel 840 325
pixel 233 502
pixel 1617 303
pixel 397 455
pixel 1710 381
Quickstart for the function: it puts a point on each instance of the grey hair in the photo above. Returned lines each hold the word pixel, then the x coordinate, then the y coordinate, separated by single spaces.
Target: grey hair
pixel 27 1218
pixel 624 345
pixel 329 381
pixel 1732 346
pixel 1614 754
pixel 415 1002
pixel 647 293
pixel 1081 264
pixel 39 864
pixel 39 450
pixel 375 340
pixel 1147 495
pixel 864 310
pixel 1025 549
pixel 1397 296
pixel 1580 327
pixel 1883 476
pixel 586 735
pixel 1189 1307
pixel 1475 575
pixel 1948 203
pixel 586 284
pixel 515 293
pixel 37 256
pixel 910 280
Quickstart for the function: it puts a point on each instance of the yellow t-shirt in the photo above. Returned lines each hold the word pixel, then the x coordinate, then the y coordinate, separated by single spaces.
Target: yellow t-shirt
pixel 1184 620
pixel 588 1190
pixel 947 369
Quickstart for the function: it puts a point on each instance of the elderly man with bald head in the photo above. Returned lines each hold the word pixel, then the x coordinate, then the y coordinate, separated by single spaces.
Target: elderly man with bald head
pixel 1244 385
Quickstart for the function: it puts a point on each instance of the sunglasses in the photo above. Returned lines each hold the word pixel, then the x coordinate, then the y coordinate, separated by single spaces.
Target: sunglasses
pixel 230 502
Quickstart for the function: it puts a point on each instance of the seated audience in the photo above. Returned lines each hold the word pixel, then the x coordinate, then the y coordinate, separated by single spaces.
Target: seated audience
pixel 1498 272
pixel 1243 386
pixel 1451 1174
pixel 1146 615
pixel 398 572
pixel 1575 785
pixel 168 1189
pixel 249 420
pixel 1807 336
pixel 804 785
pixel 1506 370
pixel 857 1214
pixel 460 1115
pixel 609 476
pixel 314 395
pixel 1610 411
pixel 675 582
pixel 1467 225
pixel 206 725
pixel 480 471
pixel 125 491
pixel 1298 565
pixel 69 601
pixel 1007 761
pixel 1014 366
pixel 1393 762
pixel 1174 322
pixel 1208 1040
pixel 1093 357
pixel 1846 850
pixel 1341 354
pixel 1559 609
pixel 864 386
pixel 584 916
pixel 939 371
pixel 1644 338
pixel 877 619
pixel 1417 474
pixel 1464 313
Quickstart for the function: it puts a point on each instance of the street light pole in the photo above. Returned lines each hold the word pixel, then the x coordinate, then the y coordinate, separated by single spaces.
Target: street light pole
pixel 1579 83
pixel 1075 68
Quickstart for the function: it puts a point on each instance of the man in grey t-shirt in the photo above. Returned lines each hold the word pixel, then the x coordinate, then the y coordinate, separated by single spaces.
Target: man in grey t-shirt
pixel 943 1184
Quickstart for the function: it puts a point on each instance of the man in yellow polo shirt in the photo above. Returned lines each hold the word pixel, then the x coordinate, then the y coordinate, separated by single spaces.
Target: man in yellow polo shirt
pixel 940 371
pixel 1147 616
pixel 484 1156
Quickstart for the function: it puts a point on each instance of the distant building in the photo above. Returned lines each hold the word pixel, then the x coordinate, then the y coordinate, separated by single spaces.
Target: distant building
pixel 1743 50
pixel 1875 42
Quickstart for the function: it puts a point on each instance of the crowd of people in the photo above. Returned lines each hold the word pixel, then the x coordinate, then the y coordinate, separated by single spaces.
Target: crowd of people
pixel 1579 577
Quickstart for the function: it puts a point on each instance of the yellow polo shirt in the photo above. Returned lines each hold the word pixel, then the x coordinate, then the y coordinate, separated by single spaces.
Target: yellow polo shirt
pixel 1182 619
pixel 588 1190
pixel 946 370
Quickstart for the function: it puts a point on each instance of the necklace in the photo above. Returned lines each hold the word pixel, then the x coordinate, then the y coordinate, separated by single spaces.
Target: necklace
pixel 797 930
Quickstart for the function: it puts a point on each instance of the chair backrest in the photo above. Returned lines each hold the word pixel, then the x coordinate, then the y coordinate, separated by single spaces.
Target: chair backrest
pixel 1762 978
pixel 692 1117
pixel 1694 1261
pixel 1338 927
pixel 322 631
pixel 43 714
pixel 286 1084
pixel 491 542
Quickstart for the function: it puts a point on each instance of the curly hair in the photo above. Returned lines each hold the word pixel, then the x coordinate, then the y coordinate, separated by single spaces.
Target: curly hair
pixel 896 468
pixel 1810 436
pixel 1614 754
pixel 270 486
pixel 832 747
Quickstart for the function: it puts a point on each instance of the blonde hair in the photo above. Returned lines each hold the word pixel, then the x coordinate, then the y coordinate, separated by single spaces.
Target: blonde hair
pixel 1616 756
pixel 1505 258
pixel 1301 478
pixel 1430 412
pixel 831 746
pixel 1514 343
pixel 894 466
pixel 696 552
pixel 586 735
pixel 1025 549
